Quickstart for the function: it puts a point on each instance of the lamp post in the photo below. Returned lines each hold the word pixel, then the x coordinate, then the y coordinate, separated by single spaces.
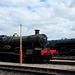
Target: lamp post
pixel 20 43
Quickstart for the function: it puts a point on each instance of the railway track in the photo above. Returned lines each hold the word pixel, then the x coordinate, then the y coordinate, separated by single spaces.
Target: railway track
pixel 35 70
pixel 43 69
pixel 63 57
pixel 54 61
pixel 62 62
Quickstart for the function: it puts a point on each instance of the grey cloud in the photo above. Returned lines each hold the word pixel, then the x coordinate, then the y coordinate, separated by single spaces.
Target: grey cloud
pixel 72 3
pixel 57 21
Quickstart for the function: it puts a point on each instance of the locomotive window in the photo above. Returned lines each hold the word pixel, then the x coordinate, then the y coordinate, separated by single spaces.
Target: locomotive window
pixel 29 51
pixel 38 48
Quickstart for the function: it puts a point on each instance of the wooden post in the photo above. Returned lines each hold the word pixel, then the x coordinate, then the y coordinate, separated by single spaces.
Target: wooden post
pixel 20 43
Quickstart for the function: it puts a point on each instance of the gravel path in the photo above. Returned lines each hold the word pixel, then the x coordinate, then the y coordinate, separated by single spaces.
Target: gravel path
pixel 51 66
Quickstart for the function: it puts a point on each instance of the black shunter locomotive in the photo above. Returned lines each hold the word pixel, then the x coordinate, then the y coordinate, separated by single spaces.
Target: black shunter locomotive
pixel 31 47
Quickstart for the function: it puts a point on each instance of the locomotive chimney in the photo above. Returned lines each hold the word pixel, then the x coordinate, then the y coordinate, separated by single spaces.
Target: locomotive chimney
pixel 37 32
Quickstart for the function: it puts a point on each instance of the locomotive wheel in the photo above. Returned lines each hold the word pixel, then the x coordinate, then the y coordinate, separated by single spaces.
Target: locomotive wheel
pixel 47 61
pixel 50 57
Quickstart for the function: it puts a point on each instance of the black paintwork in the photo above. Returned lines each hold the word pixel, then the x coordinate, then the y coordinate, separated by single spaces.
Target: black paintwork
pixel 39 40
pixel 63 46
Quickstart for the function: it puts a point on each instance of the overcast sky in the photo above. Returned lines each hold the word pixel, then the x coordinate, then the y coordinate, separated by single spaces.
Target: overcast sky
pixel 55 18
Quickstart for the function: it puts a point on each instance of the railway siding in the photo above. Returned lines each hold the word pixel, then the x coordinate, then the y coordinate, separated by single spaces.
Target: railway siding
pixel 48 66
pixel 36 70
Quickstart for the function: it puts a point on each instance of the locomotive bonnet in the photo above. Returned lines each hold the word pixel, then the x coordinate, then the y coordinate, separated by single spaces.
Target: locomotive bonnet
pixel 37 40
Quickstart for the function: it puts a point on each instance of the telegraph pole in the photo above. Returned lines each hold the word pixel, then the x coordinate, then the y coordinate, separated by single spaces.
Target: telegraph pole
pixel 20 43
